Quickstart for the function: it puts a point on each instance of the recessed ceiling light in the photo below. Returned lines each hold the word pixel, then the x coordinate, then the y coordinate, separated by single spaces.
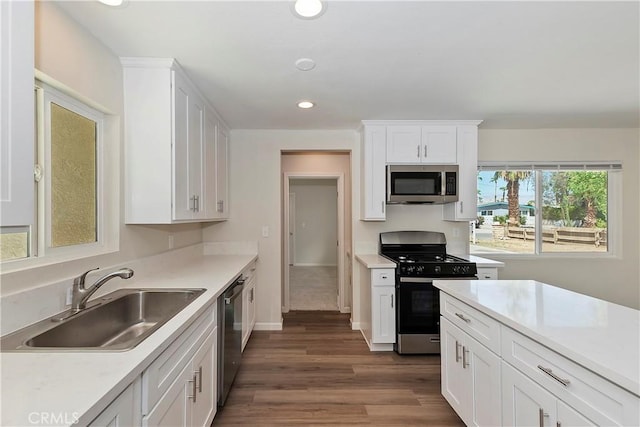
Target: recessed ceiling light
pixel 305 104
pixel 114 3
pixel 308 9
pixel 305 64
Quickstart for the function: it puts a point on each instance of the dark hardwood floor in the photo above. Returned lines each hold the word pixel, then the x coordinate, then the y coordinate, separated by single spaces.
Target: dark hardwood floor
pixel 317 371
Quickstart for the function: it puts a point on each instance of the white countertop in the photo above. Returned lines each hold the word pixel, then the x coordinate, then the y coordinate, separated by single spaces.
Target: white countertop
pixel 375 261
pixel 482 262
pixel 79 385
pixel 599 335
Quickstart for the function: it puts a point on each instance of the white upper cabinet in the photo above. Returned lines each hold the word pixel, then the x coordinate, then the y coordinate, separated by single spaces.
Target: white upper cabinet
pixel 372 206
pixel 465 209
pixel 16 113
pixel 416 144
pixel 439 142
pixel 172 165
pixel 216 141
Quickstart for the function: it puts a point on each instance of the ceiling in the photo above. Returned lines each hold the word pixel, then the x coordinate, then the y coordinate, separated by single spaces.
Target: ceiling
pixel 511 64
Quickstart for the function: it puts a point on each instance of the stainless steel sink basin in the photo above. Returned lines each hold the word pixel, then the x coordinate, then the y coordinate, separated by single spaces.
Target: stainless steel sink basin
pixel 117 321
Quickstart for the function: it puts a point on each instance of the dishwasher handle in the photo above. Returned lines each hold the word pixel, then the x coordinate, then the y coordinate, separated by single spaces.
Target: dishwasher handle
pixel 237 290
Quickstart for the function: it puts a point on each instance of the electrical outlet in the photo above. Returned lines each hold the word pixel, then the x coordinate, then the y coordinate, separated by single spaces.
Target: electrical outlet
pixel 170 241
pixel 265 231
pixel 68 298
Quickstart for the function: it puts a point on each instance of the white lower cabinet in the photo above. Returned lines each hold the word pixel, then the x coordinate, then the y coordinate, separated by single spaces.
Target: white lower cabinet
pixel 124 411
pixel 179 388
pixel 470 377
pixel 191 399
pixel 494 375
pixel 487 273
pixel 528 404
pixel 383 311
pixel 248 303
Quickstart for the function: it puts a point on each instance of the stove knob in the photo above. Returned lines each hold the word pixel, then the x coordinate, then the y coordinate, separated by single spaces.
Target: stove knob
pixel 437 269
pixel 420 269
pixel 456 269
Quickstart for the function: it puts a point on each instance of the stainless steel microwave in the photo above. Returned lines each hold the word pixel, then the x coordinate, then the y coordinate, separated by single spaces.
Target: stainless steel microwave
pixel 422 183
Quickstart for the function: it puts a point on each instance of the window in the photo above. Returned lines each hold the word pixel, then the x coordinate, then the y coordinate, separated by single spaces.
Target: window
pixel 69 222
pixel 543 209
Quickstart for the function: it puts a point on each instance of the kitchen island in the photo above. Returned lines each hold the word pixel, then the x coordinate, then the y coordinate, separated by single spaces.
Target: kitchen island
pixel 553 355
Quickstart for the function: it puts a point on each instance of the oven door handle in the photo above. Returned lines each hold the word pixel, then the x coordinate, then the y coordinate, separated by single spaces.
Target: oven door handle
pixel 431 279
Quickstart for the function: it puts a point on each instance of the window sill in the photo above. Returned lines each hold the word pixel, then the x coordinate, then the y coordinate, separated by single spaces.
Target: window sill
pixel 25 264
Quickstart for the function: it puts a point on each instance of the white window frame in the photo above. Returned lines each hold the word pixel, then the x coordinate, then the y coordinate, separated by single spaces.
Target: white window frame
pixel 614 205
pixel 46 96
pixel 107 192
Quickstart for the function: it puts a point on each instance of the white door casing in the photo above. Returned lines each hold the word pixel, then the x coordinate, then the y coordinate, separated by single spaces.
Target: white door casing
pixel 340 244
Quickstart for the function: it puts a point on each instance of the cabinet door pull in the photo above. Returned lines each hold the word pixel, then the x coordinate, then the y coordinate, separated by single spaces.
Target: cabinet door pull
pixel 465 361
pixel 391 301
pixel 541 416
pixel 565 382
pixel 418 153
pixel 194 388
pixel 425 151
pixel 461 206
pixel 382 206
pixel 466 319
pixel 200 379
pixel 251 295
pixel 457 351
pixel 558 424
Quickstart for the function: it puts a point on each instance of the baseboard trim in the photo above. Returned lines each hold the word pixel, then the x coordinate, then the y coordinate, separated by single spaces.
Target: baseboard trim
pixel 300 264
pixel 268 326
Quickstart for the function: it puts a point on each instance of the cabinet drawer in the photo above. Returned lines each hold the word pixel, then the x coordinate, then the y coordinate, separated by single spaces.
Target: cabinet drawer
pixel 598 399
pixel 487 273
pixel 383 277
pixel 159 376
pixel 480 326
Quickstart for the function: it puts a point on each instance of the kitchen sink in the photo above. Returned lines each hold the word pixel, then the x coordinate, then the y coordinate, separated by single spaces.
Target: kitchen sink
pixel 118 321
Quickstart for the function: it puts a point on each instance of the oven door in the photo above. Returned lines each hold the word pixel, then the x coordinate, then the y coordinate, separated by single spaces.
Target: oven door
pixel 418 308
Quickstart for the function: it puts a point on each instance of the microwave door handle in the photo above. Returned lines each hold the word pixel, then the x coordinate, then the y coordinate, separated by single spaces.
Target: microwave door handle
pixel 443 183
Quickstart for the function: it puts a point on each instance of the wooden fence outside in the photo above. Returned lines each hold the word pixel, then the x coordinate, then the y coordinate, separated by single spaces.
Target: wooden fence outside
pixel 591 236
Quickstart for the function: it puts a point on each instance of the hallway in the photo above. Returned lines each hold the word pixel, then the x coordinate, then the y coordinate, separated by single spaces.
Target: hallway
pixel 313 288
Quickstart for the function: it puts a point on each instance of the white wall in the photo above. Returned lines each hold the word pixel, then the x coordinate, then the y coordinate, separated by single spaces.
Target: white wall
pixel 256 201
pixel 66 52
pixel 256 193
pixel 613 279
pixel 316 221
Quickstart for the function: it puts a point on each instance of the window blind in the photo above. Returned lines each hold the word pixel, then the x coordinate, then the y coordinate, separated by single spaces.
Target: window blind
pixel 492 166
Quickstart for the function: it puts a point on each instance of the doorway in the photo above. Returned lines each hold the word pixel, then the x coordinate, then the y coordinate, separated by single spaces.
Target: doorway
pixel 313 249
pixel 313 252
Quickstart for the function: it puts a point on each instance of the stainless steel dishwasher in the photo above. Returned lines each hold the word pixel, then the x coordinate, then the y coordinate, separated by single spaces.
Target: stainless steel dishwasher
pixel 230 337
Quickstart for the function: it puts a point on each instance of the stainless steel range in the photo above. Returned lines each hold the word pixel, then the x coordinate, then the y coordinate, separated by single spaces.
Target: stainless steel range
pixel 421 257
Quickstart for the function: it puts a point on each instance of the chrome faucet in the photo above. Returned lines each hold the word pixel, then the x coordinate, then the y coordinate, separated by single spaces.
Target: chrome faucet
pixel 80 294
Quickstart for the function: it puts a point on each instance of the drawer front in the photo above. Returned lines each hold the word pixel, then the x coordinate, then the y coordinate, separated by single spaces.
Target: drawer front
pixel 487 273
pixel 480 326
pixel 159 376
pixel 598 399
pixel 383 277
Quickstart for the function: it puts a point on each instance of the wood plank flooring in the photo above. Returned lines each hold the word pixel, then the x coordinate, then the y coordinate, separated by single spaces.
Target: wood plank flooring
pixel 317 371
